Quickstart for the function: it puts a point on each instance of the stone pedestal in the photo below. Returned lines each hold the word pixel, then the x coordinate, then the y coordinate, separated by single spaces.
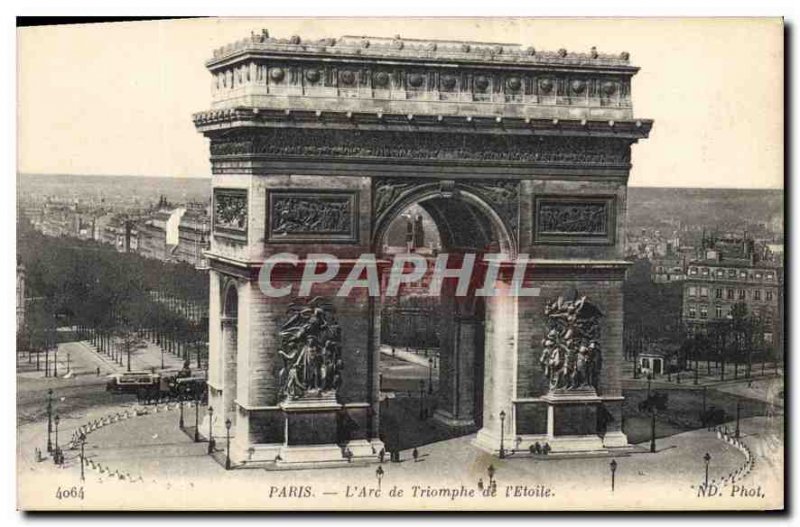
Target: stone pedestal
pixel 311 435
pixel 572 420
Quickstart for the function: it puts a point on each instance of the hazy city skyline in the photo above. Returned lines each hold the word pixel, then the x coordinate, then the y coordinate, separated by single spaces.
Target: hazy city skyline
pixel 117 99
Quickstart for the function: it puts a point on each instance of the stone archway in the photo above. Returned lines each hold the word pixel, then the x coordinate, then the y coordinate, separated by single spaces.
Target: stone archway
pixel 466 223
pixel 315 146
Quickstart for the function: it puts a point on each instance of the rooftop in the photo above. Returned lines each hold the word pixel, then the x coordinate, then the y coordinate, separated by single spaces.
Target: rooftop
pixel 405 48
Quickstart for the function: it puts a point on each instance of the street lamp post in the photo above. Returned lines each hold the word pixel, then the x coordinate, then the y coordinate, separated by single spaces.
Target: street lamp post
pixel 180 422
pixel 210 430
pixel 738 410
pixel 55 361
pixel 502 431
pixel 83 456
pixel 56 455
pixel 490 472
pixel 196 417
pixel 649 380
pixel 703 417
pixel 421 399
pixel 653 430
pixel 49 419
pixel 707 459
pixel 430 374
pixel 613 466
pixel 227 444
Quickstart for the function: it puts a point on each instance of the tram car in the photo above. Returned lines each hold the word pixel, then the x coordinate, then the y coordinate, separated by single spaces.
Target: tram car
pixel 132 381
pixel 152 387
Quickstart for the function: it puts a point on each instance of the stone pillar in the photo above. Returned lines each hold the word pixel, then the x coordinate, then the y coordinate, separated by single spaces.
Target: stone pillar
pixel 458 404
pixel 499 384
pixel 229 356
pixel 215 364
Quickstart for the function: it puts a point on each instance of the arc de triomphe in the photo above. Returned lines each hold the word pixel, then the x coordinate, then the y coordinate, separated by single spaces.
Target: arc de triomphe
pixel 316 147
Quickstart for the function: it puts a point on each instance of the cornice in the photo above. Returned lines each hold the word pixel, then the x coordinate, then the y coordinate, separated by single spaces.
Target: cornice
pixel 213 122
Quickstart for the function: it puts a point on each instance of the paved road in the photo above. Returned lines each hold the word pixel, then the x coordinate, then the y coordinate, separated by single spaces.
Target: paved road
pixel 169 469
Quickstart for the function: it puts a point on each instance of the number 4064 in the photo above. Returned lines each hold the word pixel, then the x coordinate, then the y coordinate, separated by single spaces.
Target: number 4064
pixel 69 493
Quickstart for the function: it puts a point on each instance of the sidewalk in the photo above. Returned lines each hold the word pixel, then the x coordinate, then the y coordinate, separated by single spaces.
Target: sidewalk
pixel 143 359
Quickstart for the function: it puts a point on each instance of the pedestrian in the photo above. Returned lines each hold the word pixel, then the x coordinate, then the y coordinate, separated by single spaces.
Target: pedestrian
pixel 415 454
pixel 98 371
pixel 480 483
pixel 382 454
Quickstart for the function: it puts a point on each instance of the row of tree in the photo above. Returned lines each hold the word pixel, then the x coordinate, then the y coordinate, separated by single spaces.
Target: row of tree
pixel 113 299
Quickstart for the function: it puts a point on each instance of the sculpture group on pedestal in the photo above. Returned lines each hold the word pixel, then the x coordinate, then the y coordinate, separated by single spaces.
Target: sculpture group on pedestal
pixel 310 346
pixel 571 357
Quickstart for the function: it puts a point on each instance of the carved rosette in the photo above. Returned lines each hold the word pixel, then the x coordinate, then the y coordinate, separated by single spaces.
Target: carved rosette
pixel 571 358
pixel 311 350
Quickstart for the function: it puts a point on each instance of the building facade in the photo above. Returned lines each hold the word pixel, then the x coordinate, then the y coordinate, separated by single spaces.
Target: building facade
pixel 729 274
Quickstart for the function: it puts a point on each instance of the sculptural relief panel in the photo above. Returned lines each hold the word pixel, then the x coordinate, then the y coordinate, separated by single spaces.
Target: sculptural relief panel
pixel 230 213
pixel 574 220
pixel 330 216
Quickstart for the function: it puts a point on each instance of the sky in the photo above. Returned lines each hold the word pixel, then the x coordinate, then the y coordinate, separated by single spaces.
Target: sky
pixel 117 98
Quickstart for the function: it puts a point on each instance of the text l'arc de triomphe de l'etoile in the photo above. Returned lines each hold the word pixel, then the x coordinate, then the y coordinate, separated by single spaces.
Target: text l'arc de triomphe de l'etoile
pixel 316 147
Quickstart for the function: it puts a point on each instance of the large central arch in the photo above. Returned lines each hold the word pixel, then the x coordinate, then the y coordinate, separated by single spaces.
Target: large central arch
pixel 317 146
pixel 482 222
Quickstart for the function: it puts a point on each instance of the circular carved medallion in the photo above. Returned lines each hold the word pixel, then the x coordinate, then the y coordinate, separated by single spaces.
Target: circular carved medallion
pixel 578 86
pixel 415 80
pixel 312 75
pixel 609 88
pixel 481 83
pixel 381 79
pixel 448 82
pixel 514 83
pixel 347 77
pixel 546 85
pixel 276 74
